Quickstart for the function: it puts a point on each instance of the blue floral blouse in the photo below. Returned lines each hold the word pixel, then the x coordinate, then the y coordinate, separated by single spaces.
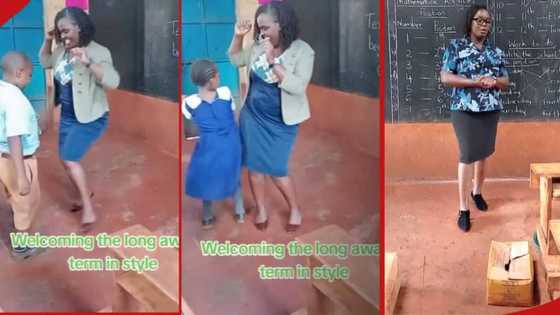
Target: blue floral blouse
pixel 463 58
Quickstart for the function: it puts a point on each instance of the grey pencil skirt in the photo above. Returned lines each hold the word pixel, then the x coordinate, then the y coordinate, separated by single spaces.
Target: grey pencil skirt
pixel 476 134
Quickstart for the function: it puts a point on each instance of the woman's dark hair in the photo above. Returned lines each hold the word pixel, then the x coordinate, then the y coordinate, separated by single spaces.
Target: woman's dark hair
pixel 285 16
pixel 202 71
pixel 82 19
pixel 471 12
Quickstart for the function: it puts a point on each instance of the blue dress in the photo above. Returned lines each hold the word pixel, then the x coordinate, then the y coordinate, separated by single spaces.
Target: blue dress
pixel 75 138
pixel 215 167
pixel 267 141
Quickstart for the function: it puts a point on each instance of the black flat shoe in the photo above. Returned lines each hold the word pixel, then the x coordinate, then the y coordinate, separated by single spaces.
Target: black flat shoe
pixel 464 220
pixel 479 201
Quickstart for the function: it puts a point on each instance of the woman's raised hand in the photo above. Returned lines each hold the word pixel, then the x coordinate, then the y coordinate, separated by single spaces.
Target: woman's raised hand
pixel 50 34
pixel 242 27
pixel 80 54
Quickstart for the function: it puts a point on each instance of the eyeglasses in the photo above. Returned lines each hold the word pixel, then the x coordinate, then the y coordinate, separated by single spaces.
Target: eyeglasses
pixel 482 21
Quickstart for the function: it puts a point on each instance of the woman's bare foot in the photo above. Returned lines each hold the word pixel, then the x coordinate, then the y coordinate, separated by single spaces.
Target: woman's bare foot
pixel 295 217
pixel 261 216
pixel 295 220
pixel 261 220
pixel 88 218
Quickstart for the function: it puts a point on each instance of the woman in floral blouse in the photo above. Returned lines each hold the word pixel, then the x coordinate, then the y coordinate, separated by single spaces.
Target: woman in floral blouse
pixel 476 72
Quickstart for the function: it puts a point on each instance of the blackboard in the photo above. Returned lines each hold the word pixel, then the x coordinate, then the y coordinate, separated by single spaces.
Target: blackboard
pixel 161 49
pixel 528 31
pixel 344 35
pixel 142 36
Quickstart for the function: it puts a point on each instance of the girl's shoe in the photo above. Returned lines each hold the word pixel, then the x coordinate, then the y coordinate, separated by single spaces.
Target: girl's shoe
pixel 240 218
pixel 208 223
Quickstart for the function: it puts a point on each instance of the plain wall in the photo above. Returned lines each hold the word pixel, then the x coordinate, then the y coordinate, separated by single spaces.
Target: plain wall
pixel 151 119
pixel 430 150
pixel 352 117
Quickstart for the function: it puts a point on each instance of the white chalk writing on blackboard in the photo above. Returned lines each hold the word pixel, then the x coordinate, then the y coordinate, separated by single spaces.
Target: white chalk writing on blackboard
pixel 373 27
pixel 528 31
pixel 175 34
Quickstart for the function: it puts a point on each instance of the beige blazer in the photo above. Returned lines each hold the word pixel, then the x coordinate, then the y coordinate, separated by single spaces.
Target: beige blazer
pixel 298 60
pixel 90 99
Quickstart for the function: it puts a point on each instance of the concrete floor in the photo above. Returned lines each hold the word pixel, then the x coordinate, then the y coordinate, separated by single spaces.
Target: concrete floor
pixel 336 184
pixel 443 269
pixel 133 184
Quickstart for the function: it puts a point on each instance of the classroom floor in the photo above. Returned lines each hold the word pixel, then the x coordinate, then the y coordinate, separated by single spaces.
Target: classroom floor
pixel 443 269
pixel 133 184
pixel 336 184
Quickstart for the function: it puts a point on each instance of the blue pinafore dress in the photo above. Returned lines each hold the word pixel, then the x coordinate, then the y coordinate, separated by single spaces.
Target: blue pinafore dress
pixel 215 166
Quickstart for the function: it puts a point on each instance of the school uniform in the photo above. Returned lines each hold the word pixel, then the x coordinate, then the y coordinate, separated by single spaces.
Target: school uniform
pixel 273 110
pixel 18 118
pixel 215 166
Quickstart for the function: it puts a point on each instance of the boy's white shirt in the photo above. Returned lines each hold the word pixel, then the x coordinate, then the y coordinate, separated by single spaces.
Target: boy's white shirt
pixel 17 118
pixel 193 101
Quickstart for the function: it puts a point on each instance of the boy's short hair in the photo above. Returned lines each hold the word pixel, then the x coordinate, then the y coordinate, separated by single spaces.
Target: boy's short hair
pixel 202 71
pixel 14 60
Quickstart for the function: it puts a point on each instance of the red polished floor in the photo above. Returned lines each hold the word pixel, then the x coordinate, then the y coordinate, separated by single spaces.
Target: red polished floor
pixel 336 184
pixel 443 269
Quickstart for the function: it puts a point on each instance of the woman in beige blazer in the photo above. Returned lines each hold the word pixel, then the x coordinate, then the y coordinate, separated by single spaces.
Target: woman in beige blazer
pixel 279 66
pixel 82 71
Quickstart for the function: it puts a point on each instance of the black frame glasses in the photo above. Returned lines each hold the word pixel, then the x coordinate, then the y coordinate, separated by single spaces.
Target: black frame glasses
pixel 482 21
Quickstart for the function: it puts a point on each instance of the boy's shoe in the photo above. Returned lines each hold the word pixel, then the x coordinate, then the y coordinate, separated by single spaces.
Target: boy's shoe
pixel 23 253
pixel 480 202
pixel 208 223
pixel 239 218
pixel 464 221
